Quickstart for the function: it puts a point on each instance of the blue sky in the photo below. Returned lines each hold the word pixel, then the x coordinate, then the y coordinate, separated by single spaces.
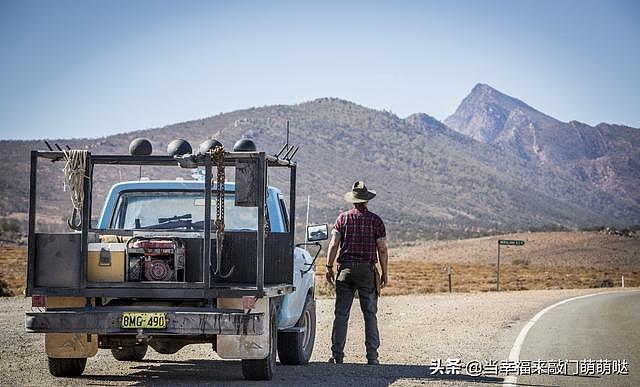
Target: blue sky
pixel 89 68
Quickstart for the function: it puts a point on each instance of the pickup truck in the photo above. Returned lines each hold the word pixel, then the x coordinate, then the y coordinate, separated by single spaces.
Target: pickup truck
pixel 158 270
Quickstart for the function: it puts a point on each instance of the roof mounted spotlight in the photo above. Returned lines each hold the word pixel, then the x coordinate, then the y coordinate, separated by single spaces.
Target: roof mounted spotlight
pixel 140 147
pixel 179 147
pixel 245 145
pixel 208 145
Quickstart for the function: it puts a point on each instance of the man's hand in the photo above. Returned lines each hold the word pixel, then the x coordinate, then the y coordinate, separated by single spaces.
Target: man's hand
pixel 384 281
pixel 330 276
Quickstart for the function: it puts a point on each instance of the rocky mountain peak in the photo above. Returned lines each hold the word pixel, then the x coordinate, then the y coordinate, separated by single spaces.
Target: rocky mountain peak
pixel 601 155
pixel 486 113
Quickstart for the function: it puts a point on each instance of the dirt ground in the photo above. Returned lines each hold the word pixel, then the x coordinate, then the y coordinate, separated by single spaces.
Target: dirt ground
pixel 416 330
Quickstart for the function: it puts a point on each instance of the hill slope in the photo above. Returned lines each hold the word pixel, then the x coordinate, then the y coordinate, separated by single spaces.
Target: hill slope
pixel 429 178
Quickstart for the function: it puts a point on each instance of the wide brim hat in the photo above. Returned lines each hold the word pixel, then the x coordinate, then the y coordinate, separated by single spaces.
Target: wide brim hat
pixel 359 193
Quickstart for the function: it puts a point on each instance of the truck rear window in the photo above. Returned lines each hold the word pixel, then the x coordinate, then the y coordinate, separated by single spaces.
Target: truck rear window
pixel 177 210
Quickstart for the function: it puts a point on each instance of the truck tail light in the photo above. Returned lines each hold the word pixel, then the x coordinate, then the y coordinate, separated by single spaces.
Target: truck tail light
pixel 38 301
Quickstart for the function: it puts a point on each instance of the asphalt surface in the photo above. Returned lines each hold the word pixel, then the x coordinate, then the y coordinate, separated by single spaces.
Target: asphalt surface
pixel 593 334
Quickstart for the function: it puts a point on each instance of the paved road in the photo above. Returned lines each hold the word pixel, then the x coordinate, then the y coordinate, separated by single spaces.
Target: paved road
pixel 600 327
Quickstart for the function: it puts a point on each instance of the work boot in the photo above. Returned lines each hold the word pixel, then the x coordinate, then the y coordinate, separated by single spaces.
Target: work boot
pixel 373 362
pixel 333 360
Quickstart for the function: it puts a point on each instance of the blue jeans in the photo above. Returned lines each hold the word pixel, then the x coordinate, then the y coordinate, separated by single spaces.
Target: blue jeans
pixel 352 277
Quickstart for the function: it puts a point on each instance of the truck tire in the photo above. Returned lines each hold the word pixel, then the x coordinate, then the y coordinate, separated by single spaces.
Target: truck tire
pixel 67 367
pixel 263 369
pixel 295 348
pixel 133 353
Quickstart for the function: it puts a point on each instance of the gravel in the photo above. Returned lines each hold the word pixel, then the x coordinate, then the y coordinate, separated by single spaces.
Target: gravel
pixel 415 330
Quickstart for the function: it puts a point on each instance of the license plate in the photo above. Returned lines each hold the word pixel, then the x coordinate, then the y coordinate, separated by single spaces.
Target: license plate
pixel 143 320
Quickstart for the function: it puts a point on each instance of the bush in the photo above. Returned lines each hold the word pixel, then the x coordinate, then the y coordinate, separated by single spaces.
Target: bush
pixel 8 225
pixel 602 283
pixel 4 289
pixel 323 288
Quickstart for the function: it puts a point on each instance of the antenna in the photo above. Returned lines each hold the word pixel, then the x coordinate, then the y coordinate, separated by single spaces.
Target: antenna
pixel 287 144
pixel 306 233
pixel 281 150
pixel 294 152
pixel 287 151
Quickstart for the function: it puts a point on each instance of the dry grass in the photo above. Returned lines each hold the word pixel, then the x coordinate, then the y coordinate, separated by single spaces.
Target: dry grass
pixel 571 249
pixel 13 268
pixel 417 277
pixel 550 260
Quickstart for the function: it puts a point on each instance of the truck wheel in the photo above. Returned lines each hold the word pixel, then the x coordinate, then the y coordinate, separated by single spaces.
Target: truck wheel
pixel 67 367
pixel 133 353
pixel 295 348
pixel 263 369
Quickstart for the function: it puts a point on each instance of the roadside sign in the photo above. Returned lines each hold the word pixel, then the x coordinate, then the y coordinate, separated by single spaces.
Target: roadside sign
pixel 510 242
pixel 504 242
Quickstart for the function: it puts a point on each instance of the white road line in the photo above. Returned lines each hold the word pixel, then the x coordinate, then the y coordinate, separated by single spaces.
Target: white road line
pixel 514 355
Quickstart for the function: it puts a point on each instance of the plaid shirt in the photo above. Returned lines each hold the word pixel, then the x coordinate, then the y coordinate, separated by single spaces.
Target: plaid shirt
pixel 359 232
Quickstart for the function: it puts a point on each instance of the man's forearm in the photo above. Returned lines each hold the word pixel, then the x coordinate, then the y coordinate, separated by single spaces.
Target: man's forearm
pixel 332 252
pixel 331 256
pixel 384 261
pixel 383 257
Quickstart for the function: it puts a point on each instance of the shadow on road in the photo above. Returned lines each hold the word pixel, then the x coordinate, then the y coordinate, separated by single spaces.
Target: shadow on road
pixel 229 372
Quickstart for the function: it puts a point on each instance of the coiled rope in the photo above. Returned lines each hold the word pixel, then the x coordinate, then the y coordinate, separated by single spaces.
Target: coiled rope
pixel 74 175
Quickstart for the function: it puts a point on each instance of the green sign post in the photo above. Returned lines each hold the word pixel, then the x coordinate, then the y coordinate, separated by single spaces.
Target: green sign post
pixel 505 242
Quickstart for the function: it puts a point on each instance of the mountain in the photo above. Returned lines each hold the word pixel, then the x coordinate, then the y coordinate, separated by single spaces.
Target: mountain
pixel 607 156
pixel 429 178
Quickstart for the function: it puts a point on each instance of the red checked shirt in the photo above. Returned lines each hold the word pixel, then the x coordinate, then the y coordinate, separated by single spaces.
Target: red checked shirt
pixel 359 232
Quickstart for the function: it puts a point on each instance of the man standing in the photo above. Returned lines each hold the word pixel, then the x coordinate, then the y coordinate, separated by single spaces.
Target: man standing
pixel 358 240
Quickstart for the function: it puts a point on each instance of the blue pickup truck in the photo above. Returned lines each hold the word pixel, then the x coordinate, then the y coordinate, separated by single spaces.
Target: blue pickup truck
pixel 175 262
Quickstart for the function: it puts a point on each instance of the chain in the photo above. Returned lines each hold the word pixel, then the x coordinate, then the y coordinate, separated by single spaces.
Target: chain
pixel 218 158
pixel 267 223
pixel 74 176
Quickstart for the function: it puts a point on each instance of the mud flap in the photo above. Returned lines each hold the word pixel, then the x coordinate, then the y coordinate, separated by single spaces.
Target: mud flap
pixel 69 345
pixel 244 346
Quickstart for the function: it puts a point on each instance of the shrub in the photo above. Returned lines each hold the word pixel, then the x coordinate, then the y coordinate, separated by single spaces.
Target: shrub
pixel 4 289
pixel 602 283
pixel 323 288
pixel 8 225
